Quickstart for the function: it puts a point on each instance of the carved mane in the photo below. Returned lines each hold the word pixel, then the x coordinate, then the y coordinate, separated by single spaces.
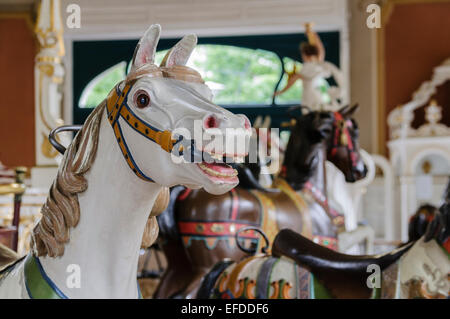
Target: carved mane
pixel 62 210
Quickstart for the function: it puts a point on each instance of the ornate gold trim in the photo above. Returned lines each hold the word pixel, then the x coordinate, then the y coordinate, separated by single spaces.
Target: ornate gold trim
pixel 46 166
pixel 49 59
pixel 44 34
pixel 13 188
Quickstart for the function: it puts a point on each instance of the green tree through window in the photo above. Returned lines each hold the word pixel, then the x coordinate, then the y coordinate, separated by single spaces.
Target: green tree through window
pixel 236 75
pixel 99 87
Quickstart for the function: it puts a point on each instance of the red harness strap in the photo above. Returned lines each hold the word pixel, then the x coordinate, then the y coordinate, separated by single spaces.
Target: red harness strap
pixel 341 130
pixel 235 204
pixel 215 229
pixel 328 242
pixel 184 194
pixel 337 219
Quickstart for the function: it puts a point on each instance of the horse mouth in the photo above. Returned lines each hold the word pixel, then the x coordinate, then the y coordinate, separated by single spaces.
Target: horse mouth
pixel 219 172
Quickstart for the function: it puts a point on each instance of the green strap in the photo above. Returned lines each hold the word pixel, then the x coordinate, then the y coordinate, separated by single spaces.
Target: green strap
pixel 376 293
pixel 40 286
pixel 318 291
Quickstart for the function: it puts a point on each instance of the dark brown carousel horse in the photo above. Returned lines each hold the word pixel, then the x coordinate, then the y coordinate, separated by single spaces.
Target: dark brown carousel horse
pixel 299 268
pixel 425 214
pixel 418 222
pixel 198 229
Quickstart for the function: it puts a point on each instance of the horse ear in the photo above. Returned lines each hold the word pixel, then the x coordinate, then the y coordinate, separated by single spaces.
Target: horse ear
pixel 146 48
pixel 258 122
pixel 344 109
pixel 352 110
pixel 180 53
pixel 267 121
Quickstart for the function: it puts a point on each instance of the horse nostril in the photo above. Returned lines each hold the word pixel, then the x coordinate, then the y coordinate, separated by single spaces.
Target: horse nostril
pixel 210 121
pixel 247 123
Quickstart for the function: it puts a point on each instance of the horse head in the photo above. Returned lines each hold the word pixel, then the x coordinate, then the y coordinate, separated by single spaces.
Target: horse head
pixel 343 145
pixel 307 138
pixel 337 132
pixel 155 122
pixel 171 119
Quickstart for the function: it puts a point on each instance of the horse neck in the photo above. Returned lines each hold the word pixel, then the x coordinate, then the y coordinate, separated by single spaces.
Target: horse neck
pixel 315 172
pixel 106 242
pixel 318 177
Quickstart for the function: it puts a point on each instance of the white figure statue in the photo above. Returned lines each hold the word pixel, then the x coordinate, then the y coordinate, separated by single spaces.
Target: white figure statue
pixel 315 69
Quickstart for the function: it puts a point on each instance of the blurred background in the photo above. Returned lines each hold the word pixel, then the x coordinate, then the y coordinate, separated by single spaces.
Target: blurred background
pixel 59 59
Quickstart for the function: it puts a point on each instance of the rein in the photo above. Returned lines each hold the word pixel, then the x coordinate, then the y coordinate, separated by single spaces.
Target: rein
pixel 337 218
pixel 117 106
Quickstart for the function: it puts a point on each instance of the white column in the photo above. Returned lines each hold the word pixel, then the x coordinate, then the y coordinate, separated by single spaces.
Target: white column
pixel 49 77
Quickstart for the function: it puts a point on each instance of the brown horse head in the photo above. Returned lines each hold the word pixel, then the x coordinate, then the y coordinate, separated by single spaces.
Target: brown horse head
pixel 343 145
pixel 307 138
pixel 337 132
pixel 419 222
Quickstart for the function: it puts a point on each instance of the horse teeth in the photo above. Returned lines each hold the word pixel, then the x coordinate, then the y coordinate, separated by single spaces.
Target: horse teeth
pixel 215 173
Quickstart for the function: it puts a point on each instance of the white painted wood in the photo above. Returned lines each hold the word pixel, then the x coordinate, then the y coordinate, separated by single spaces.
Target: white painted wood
pixel 117 19
pixel 409 147
pixel 49 75
pixel 388 198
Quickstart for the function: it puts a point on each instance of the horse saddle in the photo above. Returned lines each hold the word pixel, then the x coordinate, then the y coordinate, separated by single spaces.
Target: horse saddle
pixel 335 269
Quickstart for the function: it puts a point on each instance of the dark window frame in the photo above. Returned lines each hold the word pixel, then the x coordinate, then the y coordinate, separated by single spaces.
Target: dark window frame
pixel 90 58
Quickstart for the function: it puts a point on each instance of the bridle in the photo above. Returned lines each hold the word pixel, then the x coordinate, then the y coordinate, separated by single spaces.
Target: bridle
pixel 342 138
pixel 336 218
pixel 117 107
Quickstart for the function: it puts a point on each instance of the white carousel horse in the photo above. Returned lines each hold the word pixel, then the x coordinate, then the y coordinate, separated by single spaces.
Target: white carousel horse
pixel 346 198
pixel 111 174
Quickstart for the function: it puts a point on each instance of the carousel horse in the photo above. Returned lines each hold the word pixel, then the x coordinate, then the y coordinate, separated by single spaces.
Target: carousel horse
pixel 300 269
pixel 418 222
pixel 197 230
pixel 425 214
pixel 87 243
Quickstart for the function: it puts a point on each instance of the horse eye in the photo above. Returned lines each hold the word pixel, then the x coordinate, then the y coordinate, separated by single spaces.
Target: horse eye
pixel 142 100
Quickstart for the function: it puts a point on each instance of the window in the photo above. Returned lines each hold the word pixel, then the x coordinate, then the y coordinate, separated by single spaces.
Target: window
pixel 236 75
pixel 97 90
pixel 242 71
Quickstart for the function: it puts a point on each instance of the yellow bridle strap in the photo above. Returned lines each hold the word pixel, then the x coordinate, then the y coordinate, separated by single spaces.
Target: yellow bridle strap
pixel 117 107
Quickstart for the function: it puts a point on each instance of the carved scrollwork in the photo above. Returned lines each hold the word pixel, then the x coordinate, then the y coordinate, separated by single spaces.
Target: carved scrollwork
pixel 400 119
